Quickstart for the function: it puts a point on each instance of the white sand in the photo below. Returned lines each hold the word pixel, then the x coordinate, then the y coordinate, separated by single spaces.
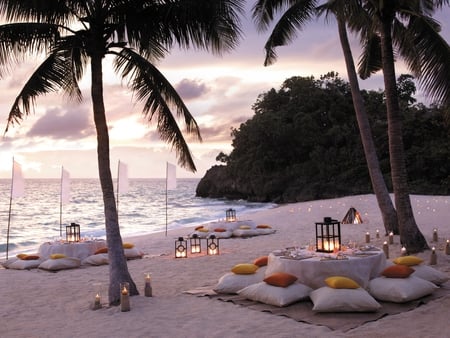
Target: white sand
pixel 42 304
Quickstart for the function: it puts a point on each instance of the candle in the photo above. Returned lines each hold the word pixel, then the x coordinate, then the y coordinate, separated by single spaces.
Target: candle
pixel 386 249
pixel 447 247
pixel 97 303
pixel 391 238
pixel 378 233
pixel 367 237
pixel 148 286
pixel 435 235
pixel 433 257
pixel 124 297
pixel 403 251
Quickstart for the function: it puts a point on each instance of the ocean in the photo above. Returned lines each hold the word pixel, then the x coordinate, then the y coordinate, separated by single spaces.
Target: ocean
pixel 37 216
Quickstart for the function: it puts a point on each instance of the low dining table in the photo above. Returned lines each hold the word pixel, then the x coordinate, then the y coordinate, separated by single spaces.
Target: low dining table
pixel 312 268
pixel 80 250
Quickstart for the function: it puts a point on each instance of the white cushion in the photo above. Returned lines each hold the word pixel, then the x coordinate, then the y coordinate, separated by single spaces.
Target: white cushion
pixel 232 283
pixel 326 299
pixel 262 231
pixel 133 253
pixel 19 264
pixel 400 290
pixel 430 274
pixel 60 264
pixel 275 295
pixel 245 232
pixel 98 259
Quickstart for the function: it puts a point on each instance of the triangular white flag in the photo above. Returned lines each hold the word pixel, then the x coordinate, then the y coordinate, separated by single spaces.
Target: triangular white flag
pixel 65 186
pixel 171 179
pixel 18 182
pixel 122 180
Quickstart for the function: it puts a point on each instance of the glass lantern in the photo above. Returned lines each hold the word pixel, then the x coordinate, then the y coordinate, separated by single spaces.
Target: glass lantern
pixel 328 235
pixel 180 248
pixel 194 241
pixel 212 244
pixel 230 215
pixel 73 233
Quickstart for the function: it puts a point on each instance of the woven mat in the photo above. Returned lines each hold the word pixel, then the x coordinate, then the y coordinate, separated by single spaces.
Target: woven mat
pixel 342 321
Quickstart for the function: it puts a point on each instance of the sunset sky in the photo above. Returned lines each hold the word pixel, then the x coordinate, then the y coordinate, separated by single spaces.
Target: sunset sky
pixel 218 90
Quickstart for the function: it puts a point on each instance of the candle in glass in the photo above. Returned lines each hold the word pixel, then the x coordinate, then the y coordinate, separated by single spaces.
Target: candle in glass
pixel 391 238
pixel 124 297
pixel 386 249
pixel 367 237
pixel 433 257
pixel 447 247
pixel 378 234
pixel 97 302
pixel 148 286
pixel 435 235
pixel 403 251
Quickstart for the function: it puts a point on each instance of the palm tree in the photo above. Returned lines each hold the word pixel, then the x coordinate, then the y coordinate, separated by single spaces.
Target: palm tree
pixel 408 26
pixel 297 14
pixel 136 33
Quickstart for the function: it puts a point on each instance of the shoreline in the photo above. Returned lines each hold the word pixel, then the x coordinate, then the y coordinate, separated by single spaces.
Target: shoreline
pixel 43 304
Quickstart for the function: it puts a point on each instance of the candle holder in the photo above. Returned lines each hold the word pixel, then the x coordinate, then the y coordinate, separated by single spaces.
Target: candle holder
pixel 367 237
pixel 230 215
pixel 97 299
pixel 447 247
pixel 195 243
pixel 391 238
pixel 148 292
pixel 180 248
pixel 212 243
pixel 328 235
pixel 124 296
pixel 378 234
pixel 403 251
pixel 435 235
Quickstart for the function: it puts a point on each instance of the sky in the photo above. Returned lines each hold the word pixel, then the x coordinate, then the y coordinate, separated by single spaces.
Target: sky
pixel 219 91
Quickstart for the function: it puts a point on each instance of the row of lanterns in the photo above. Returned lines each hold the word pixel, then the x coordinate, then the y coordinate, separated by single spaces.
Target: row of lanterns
pixel 181 246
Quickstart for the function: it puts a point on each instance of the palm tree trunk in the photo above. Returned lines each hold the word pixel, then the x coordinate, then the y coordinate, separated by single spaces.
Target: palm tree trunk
pixel 410 235
pixel 387 209
pixel 118 269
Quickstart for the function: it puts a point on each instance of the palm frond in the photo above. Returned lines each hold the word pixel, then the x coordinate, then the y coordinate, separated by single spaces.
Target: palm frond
pixel 159 98
pixel 370 58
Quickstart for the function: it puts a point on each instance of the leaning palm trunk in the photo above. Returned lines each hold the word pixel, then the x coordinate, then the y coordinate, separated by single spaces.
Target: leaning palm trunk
pixel 387 209
pixel 118 269
pixel 410 235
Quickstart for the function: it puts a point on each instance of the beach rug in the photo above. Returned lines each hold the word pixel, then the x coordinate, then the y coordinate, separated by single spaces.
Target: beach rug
pixel 342 321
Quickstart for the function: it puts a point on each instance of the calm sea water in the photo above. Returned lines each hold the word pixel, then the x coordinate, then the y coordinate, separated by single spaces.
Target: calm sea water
pixel 35 217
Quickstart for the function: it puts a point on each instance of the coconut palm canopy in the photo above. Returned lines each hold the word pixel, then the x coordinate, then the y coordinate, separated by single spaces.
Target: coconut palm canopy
pixel 73 35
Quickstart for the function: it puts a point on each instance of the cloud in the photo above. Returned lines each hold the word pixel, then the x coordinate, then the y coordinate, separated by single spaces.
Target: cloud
pixel 191 89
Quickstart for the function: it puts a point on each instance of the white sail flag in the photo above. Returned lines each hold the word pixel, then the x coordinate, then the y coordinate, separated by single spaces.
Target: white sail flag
pixel 65 186
pixel 122 178
pixel 18 182
pixel 171 179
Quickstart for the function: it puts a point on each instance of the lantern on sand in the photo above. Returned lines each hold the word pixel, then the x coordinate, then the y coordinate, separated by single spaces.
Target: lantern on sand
pixel 212 243
pixel 180 248
pixel 194 241
pixel 230 215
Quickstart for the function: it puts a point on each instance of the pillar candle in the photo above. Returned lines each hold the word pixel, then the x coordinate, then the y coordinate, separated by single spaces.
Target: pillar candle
pixel 403 251
pixel 391 238
pixel 124 297
pixel 447 247
pixel 386 249
pixel 367 237
pixel 435 235
pixel 97 302
pixel 148 286
pixel 433 257
pixel 378 234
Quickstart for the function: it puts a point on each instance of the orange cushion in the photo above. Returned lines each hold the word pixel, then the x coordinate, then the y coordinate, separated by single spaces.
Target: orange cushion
pixel 101 251
pixel 397 271
pixel 280 279
pixel 30 258
pixel 199 227
pixel 220 230
pixel 264 226
pixel 261 261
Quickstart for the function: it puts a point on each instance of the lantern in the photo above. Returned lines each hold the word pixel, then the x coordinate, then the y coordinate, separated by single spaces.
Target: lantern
pixel 180 248
pixel 194 241
pixel 328 235
pixel 73 233
pixel 230 215
pixel 212 244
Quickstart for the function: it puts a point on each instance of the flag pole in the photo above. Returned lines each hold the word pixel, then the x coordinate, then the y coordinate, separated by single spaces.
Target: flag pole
pixel 167 177
pixel 117 192
pixel 10 206
pixel 61 202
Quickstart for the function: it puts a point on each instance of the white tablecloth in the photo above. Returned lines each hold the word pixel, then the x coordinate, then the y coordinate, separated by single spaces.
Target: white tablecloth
pixel 313 271
pixel 79 250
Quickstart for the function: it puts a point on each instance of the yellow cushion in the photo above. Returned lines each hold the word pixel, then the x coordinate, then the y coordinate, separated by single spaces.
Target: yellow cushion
pixel 281 279
pixel 31 258
pixel 397 271
pixel 128 245
pixel 261 261
pixel 57 256
pixel 244 269
pixel 340 282
pixel 408 260
pixel 245 227
pixel 101 251
pixel 264 226
pixel 203 230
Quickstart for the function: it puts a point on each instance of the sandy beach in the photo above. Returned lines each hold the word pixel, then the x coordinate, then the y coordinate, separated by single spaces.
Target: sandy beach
pixel 38 303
